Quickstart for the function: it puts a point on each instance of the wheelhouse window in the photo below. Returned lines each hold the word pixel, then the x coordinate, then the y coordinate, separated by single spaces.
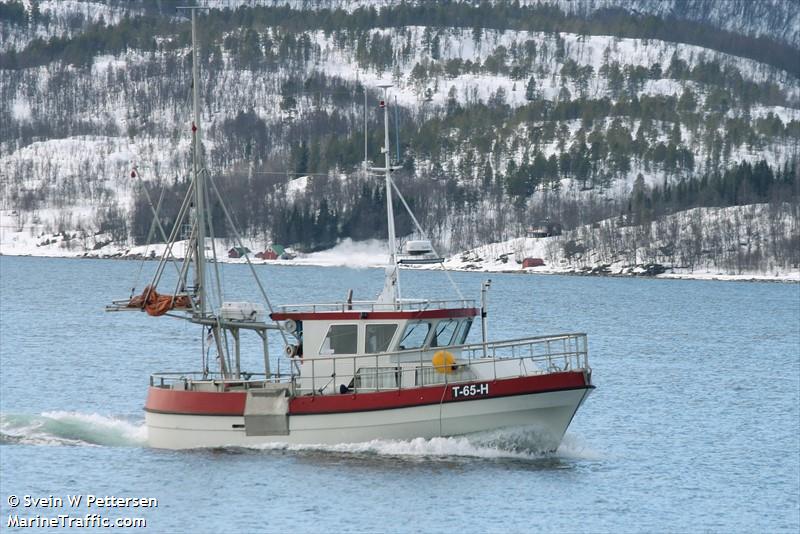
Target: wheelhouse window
pixel 444 333
pixel 379 336
pixel 414 335
pixel 341 339
pixel 462 337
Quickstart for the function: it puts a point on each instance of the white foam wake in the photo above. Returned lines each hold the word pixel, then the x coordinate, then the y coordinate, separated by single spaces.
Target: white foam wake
pixel 349 253
pixel 60 428
pixel 520 443
pixel 71 428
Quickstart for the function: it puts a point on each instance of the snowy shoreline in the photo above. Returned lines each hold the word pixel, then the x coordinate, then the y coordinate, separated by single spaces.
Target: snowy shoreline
pixel 791 277
pixel 548 253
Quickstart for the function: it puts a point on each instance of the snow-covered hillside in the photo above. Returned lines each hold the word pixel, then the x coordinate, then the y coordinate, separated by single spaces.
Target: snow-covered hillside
pixel 59 18
pixel 745 242
pixel 776 19
pixel 143 117
pixel 495 123
pixel 738 243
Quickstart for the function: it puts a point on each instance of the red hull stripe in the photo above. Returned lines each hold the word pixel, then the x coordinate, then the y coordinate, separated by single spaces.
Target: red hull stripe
pixel 195 402
pixel 232 403
pixel 404 398
pixel 351 315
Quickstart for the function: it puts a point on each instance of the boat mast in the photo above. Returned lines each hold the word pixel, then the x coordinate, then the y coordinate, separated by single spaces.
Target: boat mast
pixel 394 283
pixel 199 203
pixel 366 166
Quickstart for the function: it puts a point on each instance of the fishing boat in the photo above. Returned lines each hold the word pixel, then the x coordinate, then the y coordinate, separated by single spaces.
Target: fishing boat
pixel 389 368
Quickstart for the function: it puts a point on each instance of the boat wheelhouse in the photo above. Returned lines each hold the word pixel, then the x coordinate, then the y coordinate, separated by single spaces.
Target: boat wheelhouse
pixel 390 368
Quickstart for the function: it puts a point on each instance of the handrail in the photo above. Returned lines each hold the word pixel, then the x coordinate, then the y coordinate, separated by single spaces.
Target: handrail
pixel 536 355
pixel 167 377
pixel 373 306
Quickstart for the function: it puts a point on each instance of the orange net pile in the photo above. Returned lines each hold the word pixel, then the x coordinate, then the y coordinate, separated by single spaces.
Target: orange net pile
pixel 155 304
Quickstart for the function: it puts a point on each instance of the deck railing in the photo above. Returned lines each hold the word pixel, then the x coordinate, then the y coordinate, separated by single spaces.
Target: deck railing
pixel 532 356
pixel 174 380
pixel 410 368
pixel 373 306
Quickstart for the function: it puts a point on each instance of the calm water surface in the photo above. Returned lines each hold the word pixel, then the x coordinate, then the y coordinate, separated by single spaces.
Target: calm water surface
pixel 694 425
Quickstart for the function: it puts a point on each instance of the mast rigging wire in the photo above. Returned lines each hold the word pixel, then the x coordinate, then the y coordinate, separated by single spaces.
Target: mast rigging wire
pixel 147 242
pixel 156 223
pixel 421 231
pixel 247 259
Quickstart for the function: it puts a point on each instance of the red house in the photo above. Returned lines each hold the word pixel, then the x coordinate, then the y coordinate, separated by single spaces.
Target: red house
pixel 238 252
pixel 532 262
pixel 267 255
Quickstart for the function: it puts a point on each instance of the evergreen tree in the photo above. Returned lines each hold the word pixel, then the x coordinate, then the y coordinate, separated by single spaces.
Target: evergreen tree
pixel 531 92
pixel 300 157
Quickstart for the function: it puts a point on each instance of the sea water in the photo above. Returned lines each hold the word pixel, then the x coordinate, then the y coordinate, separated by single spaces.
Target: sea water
pixel 694 425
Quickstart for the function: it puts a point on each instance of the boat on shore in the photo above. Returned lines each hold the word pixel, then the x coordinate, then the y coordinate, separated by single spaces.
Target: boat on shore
pixel 389 368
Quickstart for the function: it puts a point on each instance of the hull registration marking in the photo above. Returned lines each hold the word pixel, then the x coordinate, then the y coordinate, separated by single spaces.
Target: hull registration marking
pixel 470 390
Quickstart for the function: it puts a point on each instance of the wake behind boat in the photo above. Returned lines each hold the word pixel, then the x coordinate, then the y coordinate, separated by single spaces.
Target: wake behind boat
pixel 392 368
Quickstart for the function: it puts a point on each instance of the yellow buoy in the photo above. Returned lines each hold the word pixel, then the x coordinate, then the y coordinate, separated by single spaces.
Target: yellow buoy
pixel 443 362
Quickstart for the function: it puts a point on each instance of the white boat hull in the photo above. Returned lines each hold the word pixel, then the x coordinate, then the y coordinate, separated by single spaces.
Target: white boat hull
pixel 549 412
